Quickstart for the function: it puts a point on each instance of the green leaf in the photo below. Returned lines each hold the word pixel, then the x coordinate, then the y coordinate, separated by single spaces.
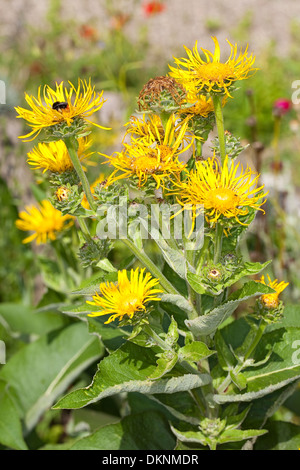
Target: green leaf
pixel 264 408
pixel 195 282
pixel 290 318
pixel 177 300
pixel 106 265
pixel 128 370
pixel 208 324
pixel 191 436
pixel 144 431
pixel 10 423
pixel 91 287
pixel 175 258
pixel 238 379
pixel 22 319
pixel 173 334
pixel 247 269
pixel 281 369
pixel 111 334
pixel 228 435
pixel 226 358
pixel 42 370
pixel 236 435
pixel 165 364
pixel 194 352
pixel 281 436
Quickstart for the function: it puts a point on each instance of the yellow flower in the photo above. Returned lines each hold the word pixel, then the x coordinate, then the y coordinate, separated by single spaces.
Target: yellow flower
pixel 202 106
pixel 156 158
pixel 210 74
pixel 127 297
pixel 60 105
pixel 150 130
pixel 54 156
pixel 62 194
pixel 271 301
pixel 44 221
pixel 219 192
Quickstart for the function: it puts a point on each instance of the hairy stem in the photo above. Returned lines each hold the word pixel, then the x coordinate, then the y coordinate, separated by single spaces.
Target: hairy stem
pixel 148 263
pixel 72 149
pixel 217 101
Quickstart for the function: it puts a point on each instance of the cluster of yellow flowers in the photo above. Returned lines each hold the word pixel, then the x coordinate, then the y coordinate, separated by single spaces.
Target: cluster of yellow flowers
pixel 154 151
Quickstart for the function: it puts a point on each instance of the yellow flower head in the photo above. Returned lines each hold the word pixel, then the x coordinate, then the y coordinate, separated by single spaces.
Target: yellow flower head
pixel 202 106
pixel 60 105
pixel 209 73
pixel 271 301
pixel 155 157
pixel 44 221
pixel 54 156
pixel 127 296
pixel 220 191
pixel 150 130
pixel 62 193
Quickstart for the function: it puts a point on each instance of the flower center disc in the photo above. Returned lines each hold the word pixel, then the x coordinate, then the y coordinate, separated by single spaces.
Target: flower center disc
pixel 165 152
pixel 222 200
pixel 216 72
pixel 130 304
pixel 270 300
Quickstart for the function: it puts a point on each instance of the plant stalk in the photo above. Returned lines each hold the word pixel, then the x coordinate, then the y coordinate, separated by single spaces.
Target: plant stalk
pixel 71 147
pixel 217 101
pixel 148 263
pixel 218 243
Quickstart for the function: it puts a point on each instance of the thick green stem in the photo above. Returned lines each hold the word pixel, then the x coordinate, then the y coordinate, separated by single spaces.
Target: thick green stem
pixel 203 254
pixel 148 263
pixel 84 229
pixel 217 101
pixel 218 243
pixel 71 146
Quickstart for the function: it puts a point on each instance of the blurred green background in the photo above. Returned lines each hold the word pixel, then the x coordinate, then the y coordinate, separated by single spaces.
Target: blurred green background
pixel 121 45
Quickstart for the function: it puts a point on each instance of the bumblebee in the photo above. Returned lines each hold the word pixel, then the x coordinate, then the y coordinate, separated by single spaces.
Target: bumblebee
pixel 59 105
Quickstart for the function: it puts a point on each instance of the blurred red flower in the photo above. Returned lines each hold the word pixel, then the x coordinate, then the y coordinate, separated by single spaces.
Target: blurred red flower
pixel 154 7
pixel 88 32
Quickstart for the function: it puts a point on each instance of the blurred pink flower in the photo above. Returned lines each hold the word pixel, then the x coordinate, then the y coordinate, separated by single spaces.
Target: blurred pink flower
pixel 282 106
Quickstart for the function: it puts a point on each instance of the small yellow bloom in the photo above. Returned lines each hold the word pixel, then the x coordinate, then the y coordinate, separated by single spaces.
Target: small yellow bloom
pixel 62 194
pixel 209 73
pixel 60 105
pixel 54 156
pixel 44 221
pixel 271 301
pixel 127 297
pixel 219 192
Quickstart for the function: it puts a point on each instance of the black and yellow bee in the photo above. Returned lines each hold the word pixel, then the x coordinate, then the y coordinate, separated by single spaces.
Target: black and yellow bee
pixel 59 105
